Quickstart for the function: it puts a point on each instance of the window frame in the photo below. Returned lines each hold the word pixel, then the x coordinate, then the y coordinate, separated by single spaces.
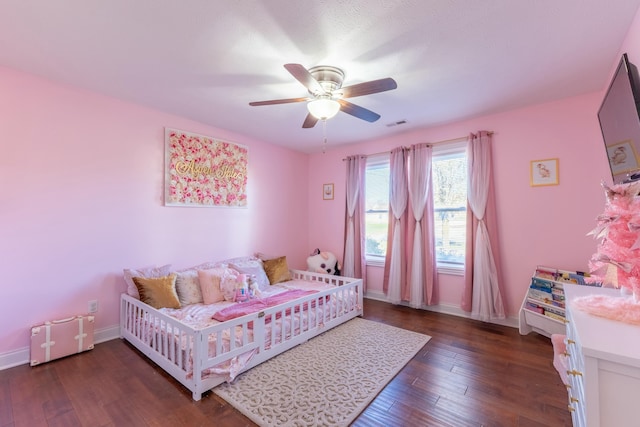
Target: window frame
pixel 375 160
pixel 439 150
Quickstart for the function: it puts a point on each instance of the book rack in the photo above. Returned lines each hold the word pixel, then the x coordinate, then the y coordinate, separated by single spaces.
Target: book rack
pixel 543 307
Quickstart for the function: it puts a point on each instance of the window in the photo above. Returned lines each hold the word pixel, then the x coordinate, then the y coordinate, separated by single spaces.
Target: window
pixel 376 208
pixel 450 205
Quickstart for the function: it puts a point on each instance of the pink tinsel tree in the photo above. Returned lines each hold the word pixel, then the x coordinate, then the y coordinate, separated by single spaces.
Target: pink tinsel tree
pixel 617 260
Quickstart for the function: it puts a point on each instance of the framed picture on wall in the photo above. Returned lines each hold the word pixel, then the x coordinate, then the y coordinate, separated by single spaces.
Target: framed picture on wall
pixel 327 192
pixel 622 157
pixel 202 171
pixel 544 172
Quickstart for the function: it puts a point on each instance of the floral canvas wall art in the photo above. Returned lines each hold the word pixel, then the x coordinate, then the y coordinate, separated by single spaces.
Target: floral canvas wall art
pixel 203 171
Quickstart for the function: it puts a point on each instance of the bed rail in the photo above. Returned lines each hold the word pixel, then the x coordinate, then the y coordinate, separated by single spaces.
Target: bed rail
pixel 190 355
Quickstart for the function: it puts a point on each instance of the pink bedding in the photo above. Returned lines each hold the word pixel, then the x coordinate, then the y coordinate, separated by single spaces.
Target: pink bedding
pixel 200 316
pixel 259 304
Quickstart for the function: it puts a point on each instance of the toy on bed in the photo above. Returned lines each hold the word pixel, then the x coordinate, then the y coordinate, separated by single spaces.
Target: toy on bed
pixel 323 262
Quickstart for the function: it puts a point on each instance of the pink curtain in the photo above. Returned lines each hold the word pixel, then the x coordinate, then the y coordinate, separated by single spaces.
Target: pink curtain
pixel 420 234
pixel 353 264
pixel 483 284
pixel 395 268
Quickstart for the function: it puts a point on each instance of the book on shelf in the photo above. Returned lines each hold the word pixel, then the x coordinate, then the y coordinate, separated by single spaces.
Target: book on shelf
pixel 535 308
pixel 546 273
pixel 554 316
pixel 540 295
pixel 557 303
pixel 565 276
pixel 547 304
pixel 555 310
pixel 541 284
pixel 543 310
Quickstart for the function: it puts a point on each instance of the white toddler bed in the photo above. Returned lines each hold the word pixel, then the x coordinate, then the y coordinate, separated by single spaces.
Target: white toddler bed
pixel 202 353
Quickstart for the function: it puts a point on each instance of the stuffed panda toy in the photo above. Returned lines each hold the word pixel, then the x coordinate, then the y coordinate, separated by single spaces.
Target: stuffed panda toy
pixel 323 262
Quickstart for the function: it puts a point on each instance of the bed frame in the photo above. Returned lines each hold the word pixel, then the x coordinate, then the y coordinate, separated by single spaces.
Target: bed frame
pixel 156 334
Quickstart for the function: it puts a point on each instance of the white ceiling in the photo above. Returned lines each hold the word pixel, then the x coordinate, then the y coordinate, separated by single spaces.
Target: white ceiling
pixel 207 59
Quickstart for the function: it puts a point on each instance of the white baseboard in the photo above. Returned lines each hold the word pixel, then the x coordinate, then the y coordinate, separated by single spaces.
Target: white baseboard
pixel 447 309
pixel 14 358
pixel 21 356
pixel 378 296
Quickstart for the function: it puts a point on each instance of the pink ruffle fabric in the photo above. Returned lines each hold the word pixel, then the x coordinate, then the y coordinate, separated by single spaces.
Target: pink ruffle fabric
pixel 560 356
pixel 622 309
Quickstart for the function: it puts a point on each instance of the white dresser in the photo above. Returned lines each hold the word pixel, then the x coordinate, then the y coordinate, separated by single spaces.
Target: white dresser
pixel 604 366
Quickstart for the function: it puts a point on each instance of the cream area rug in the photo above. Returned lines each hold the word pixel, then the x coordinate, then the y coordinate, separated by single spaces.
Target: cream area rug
pixel 326 381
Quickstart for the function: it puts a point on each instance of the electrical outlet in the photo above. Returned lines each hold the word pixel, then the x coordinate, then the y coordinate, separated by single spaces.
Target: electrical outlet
pixel 93 306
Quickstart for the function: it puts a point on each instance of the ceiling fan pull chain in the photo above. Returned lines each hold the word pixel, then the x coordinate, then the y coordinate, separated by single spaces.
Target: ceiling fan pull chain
pixel 324 132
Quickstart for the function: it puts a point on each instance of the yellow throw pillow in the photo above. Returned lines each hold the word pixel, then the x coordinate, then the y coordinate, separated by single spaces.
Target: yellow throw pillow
pixel 159 292
pixel 277 270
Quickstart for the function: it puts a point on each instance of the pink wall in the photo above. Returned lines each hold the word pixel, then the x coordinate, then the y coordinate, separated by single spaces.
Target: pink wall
pixel 631 44
pixel 82 179
pixel 82 182
pixel 541 225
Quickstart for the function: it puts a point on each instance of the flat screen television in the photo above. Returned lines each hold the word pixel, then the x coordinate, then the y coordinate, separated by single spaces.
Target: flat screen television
pixel 619 117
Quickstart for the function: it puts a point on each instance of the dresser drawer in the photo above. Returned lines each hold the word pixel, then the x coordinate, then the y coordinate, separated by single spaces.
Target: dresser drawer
pixel 575 375
pixel 603 365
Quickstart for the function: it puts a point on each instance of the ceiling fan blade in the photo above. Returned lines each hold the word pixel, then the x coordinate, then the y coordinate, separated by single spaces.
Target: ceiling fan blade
pixel 367 88
pixel 304 76
pixel 277 101
pixel 310 121
pixel 357 111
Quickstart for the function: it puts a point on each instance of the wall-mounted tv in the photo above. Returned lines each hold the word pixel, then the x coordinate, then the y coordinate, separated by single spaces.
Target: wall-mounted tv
pixel 619 117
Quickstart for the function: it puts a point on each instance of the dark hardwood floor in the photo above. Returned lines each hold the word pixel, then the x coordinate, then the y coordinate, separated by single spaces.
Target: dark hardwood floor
pixel 469 374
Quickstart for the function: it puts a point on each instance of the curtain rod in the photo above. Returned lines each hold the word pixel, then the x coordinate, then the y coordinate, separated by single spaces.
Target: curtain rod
pixel 461 138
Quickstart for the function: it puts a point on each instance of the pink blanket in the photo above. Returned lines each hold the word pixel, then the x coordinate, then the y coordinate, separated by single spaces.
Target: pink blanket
pixel 256 305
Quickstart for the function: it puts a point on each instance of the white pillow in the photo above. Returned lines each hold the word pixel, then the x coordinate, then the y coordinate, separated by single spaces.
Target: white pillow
pixel 147 273
pixel 188 287
pixel 255 268
pixel 207 265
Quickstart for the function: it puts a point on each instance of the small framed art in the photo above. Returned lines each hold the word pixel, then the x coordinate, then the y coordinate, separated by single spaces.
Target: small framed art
pixel 327 192
pixel 622 157
pixel 544 172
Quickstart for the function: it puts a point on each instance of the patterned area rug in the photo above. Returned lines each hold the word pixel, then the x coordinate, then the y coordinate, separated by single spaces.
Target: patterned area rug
pixel 326 381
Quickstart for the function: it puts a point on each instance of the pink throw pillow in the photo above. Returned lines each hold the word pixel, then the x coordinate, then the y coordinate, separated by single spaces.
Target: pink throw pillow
pixel 217 284
pixel 210 286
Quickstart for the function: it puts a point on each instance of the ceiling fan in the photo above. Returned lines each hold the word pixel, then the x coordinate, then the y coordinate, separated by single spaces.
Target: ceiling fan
pixel 327 96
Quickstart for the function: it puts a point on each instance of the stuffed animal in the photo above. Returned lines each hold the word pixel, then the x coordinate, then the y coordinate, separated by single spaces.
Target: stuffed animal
pixel 323 262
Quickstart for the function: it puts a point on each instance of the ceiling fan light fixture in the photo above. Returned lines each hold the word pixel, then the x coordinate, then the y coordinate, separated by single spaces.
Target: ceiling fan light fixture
pixel 323 108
